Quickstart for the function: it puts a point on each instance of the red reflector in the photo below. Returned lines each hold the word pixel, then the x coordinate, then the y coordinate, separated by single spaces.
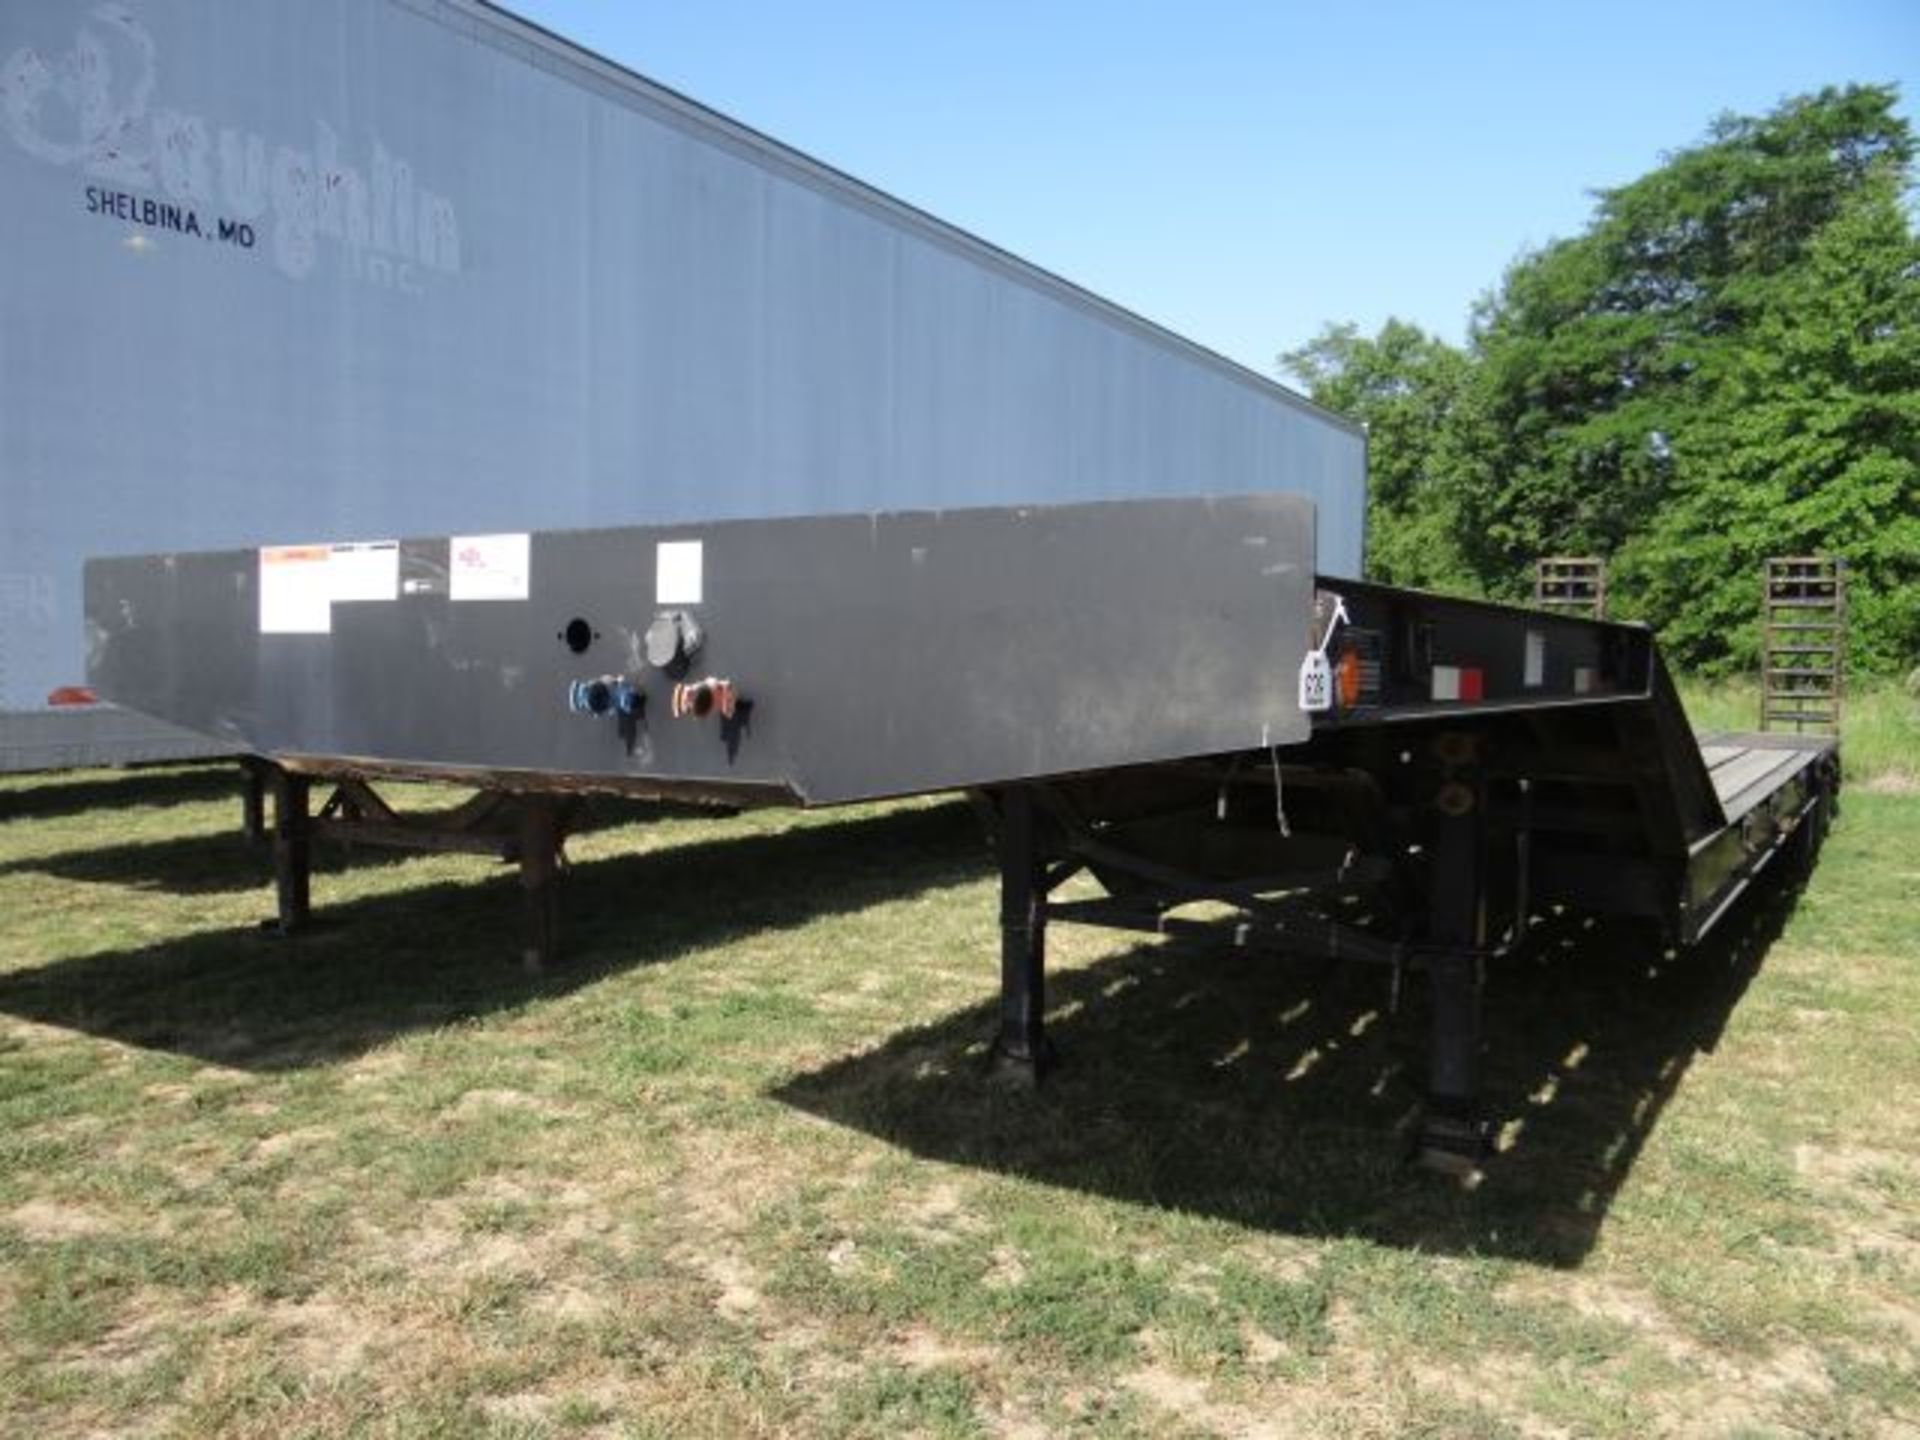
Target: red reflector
pixel 1472 684
pixel 73 695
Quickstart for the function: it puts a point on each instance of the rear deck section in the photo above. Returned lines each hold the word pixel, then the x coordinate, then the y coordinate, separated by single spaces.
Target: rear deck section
pixel 1748 770
pixel 1773 789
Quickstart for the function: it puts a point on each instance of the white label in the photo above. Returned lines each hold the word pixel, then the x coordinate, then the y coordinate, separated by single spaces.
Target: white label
pixel 1316 683
pixel 487 567
pixel 1536 666
pixel 1583 680
pixel 296 596
pixel 1446 682
pixel 678 570
pixel 369 570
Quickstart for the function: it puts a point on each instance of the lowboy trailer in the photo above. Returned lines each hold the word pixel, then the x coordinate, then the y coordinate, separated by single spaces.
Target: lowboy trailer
pixel 1163 695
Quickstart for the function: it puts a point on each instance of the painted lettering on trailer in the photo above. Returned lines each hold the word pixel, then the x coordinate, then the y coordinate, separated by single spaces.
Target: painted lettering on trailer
pixel 160 215
pixel 28 595
pixel 94 109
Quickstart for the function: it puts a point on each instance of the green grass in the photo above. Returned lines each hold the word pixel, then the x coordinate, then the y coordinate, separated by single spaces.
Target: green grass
pixel 1880 725
pixel 734 1167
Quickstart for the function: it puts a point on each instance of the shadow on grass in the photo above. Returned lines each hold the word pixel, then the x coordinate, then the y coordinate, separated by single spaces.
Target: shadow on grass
pixel 46 797
pixel 218 864
pixel 1271 1093
pixel 374 968
pixel 1281 1096
pixel 223 864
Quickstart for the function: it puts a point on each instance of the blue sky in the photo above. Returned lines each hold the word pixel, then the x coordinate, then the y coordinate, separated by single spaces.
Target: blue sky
pixel 1244 173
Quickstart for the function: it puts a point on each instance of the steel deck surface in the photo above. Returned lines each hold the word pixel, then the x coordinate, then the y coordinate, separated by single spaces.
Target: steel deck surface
pixel 1746 769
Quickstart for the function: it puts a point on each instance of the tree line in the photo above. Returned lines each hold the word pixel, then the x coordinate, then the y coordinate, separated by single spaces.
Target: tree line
pixel 1723 366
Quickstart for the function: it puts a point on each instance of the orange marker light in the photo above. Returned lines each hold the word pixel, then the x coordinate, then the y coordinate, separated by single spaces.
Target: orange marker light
pixel 1346 677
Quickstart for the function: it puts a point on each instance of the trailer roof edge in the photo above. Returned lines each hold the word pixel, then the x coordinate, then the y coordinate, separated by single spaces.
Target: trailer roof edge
pixel 549 48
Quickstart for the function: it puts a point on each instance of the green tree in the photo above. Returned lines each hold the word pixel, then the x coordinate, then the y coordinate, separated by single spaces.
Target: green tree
pixel 1809 443
pixel 1402 384
pixel 1722 366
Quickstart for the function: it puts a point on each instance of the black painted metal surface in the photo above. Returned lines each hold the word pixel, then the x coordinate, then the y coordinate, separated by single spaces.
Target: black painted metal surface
pixel 865 655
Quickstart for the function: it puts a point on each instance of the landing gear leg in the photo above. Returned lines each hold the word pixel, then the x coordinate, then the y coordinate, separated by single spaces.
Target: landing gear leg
pixel 292 849
pixel 1452 1137
pixel 540 881
pixel 1022 1049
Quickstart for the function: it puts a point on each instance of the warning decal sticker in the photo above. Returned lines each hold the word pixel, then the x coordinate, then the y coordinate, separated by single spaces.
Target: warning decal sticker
pixel 367 570
pixel 296 597
pixel 487 567
pixel 678 572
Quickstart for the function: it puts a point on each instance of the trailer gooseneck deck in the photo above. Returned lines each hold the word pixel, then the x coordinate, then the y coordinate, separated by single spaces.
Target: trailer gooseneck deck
pixel 1162 695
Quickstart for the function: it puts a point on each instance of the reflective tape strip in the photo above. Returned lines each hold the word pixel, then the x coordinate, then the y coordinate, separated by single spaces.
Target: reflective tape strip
pixel 1458 682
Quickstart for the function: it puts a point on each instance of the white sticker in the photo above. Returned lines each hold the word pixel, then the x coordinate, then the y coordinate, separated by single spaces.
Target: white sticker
pixel 1583 679
pixel 1536 666
pixel 1316 683
pixel 368 570
pixel 487 567
pixel 296 594
pixel 1446 682
pixel 678 567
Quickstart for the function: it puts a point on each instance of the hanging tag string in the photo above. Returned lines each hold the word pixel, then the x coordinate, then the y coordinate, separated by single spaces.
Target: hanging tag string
pixel 1338 618
pixel 1279 800
pixel 1334 622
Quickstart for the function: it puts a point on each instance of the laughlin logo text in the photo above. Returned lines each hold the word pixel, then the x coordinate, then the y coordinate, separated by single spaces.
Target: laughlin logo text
pixel 93 109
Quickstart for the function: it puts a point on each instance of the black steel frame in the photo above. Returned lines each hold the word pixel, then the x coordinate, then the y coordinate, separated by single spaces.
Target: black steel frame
pixel 1454 822
pixel 527 829
pixel 1414 831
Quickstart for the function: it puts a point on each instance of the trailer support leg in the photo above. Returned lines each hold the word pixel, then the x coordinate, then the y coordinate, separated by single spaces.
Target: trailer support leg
pixel 539 847
pixel 253 800
pixel 1452 1138
pixel 292 849
pixel 1022 1049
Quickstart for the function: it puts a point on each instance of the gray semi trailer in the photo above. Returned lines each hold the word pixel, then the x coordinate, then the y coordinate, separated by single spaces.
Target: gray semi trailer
pixel 314 270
